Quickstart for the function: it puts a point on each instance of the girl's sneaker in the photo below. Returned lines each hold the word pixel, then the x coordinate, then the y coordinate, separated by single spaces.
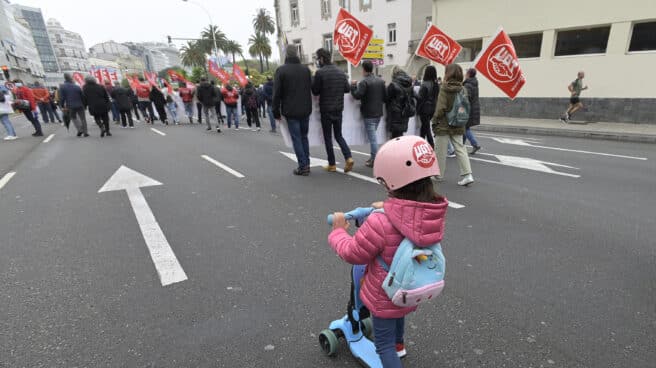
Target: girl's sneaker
pixel 10 137
pixel 400 351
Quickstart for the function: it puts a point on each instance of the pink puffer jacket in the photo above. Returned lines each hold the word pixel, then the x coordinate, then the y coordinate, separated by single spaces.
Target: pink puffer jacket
pixel 381 234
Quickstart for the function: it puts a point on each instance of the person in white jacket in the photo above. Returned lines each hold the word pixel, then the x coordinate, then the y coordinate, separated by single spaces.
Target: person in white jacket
pixel 6 109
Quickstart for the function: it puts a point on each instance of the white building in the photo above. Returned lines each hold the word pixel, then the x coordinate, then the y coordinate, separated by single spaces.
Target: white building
pixel 18 50
pixel 309 25
pixel 109 50
pixel 613 42
pixel 69 48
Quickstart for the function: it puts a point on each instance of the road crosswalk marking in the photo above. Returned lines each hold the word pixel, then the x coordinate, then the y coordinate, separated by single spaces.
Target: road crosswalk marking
pixel 158 131
pixel 520 142
pixel 50 137
pixel 5 179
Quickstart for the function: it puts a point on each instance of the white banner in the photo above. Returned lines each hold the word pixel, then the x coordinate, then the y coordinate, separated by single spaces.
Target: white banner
pixel 353 128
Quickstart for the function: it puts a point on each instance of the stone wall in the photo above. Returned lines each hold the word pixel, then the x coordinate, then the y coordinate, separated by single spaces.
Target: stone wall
pixel 617 110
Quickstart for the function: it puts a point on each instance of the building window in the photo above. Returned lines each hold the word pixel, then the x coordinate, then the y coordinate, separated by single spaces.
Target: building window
pixel 527 46
pixel 325 9
pixel 365 5
pixel 582 41
pixel 58 38
pixel 429 21
pixel 346 4
pixel 62 52
pixel 328 42
pixel 391 33
pixel 293 6
pixel 67 66
pixel 469 50
pixel 299 49
pixel 643 37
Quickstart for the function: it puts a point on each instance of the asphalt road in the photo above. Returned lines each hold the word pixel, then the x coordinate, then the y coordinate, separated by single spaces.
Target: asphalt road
pixel 548 265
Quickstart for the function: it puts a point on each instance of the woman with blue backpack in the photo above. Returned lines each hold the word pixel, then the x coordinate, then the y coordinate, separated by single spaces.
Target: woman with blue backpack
pixel 412 214
pixel 450 120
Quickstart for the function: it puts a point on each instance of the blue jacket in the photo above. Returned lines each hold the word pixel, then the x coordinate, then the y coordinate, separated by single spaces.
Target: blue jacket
pixel 70 96
pixel 268 92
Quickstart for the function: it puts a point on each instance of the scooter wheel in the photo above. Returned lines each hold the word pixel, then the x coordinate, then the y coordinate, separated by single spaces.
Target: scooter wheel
pixel 328 342
pixel 367 327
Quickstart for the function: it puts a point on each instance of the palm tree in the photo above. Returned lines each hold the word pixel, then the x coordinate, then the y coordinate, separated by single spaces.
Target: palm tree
pixel 208 40
pixel 263 22
pixel 193 54
pixel 259 46
pixel 232 47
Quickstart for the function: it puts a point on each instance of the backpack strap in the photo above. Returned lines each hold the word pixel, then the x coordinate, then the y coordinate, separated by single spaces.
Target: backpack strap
pixel 379 258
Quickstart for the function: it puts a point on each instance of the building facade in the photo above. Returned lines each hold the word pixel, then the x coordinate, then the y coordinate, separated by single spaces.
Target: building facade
pixel 308 25
pixel 155 55
pixel 69 48
pixel 109 50
pixel 19 54
pixel 616 47
pixel 39 32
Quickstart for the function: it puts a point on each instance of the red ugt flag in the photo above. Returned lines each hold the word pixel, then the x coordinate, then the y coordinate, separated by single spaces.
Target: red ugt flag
pixel 97 73
pixel 351 36
pixel 78 78
pixel 498 62
pixel 438 47
pixel 218 72
pixel 106 78
pixel 150 77
pixel 239 75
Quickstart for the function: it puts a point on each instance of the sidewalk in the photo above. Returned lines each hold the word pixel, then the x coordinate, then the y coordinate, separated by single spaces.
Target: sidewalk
pixel 645 133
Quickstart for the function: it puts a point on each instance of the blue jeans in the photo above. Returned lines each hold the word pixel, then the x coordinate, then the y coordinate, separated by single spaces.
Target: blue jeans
pixel 272 120
pixel 231 111
pixel 189 109
pixel 469 135
pixel 371 124
pixel 298 129
pixel 388 332
pixel 115 114
pixel 4 118
pixel 173 110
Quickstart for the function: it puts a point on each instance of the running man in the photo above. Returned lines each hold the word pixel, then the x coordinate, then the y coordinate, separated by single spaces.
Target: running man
pixel 575 104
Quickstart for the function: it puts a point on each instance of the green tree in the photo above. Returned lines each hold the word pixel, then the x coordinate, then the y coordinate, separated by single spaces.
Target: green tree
pixel 233 47
pixel 208 40
pixel 263 22
pixel 193 55
pixel 259 46
pixel 197 73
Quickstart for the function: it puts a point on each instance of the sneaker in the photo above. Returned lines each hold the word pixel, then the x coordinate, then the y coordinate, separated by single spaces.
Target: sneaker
pixel 349 165
pixel 208 128
pixel 330 168
pixel 131 126
pixel 218 130
pixel 451 155
pixel 10 137
pixel 439 178
pixel 259 129
pixel 400 350
pixel 475 149
pixel 369 163
pixel 466 180
pixel 37 134
pixel 236 128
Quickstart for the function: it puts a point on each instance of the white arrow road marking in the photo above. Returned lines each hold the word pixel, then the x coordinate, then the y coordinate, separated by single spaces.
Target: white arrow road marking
pixel 222 166
pixel 158 131
pixel 320 162
pixel 50 137
pixel 520 142
pixel 5 179
pixel 526 163
pixel 167 265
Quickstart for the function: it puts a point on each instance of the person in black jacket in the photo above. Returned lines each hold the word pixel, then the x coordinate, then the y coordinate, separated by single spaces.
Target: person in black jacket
pixel 250 99
pixel 426 103
pixel 157 97
pixel 330 84
pixel 135 103
pixel 371 92
pixel 98 101
pixel 123 104
pixel 217 103
pixel 399 97
pixel 268 96
pixel 292 98
pixel 207 95
pixel 471 83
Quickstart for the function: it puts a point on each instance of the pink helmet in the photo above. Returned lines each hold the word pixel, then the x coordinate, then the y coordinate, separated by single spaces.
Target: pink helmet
pixel 404 160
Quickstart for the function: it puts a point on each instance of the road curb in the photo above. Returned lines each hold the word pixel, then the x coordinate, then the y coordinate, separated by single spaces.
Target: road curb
pixel 623 137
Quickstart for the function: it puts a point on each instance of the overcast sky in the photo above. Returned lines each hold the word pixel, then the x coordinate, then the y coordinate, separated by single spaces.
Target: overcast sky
pixel 152 20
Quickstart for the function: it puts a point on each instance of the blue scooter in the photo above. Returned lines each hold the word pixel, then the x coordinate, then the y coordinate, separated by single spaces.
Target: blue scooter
pixel 355 327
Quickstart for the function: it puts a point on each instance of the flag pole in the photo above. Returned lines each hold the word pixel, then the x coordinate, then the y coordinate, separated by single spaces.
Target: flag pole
pixel 349 71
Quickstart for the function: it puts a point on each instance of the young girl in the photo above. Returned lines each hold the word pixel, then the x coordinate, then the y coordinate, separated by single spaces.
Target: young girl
pixel 404 166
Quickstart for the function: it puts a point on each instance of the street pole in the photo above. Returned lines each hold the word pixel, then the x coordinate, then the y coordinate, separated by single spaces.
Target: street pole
pixel 216 49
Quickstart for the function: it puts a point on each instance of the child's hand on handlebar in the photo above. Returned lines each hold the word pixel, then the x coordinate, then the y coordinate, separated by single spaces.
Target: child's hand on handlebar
pixel 339 221
pixel 377 205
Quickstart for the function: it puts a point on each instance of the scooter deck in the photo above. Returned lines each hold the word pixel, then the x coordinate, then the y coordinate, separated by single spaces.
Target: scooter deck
pixel 365 352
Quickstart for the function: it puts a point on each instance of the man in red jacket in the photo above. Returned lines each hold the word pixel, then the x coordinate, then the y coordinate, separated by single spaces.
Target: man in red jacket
pixel 42 97
pixel 187 96
pixel 24 93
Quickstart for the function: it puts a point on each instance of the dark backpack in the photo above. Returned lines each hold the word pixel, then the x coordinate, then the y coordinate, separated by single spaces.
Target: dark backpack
pixel 408 104
pixel 459 114
pixel 429 104
pixel 251 102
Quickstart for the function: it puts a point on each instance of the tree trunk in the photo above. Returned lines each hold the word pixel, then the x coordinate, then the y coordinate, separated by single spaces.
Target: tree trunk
pixel 267 62
pixel 261 64
pixel 233 57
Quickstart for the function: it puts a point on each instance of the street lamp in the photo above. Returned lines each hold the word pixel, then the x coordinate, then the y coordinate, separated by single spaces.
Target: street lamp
pixel 216 49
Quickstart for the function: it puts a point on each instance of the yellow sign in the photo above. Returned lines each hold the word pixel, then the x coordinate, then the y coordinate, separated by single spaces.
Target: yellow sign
pixel 373 55
pixel 375 48
pixel 376 41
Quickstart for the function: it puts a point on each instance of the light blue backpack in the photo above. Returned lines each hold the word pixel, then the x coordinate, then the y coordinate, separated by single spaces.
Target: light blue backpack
pixel 416 274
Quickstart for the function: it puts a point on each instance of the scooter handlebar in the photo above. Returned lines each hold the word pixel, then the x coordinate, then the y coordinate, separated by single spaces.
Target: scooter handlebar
pixel 357 214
